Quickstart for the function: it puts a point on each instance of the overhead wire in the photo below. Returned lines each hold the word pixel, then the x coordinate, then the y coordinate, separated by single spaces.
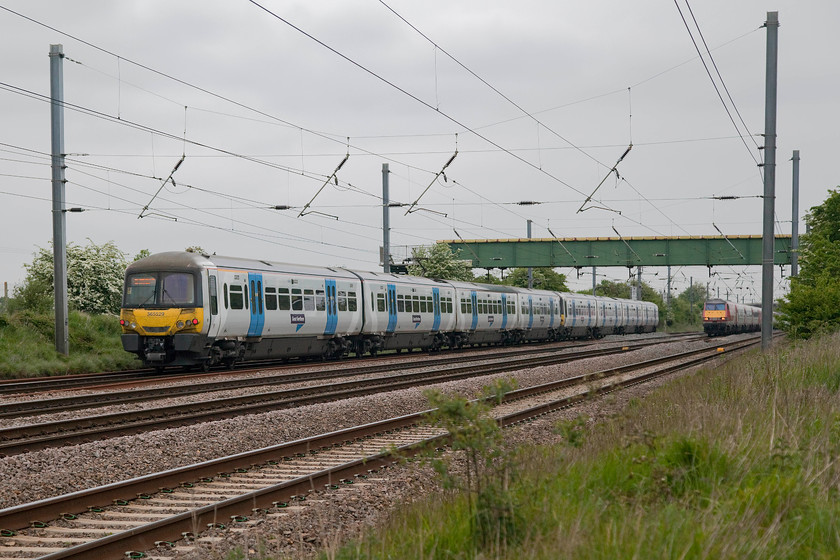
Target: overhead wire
pixel 714 83
pixel 414 97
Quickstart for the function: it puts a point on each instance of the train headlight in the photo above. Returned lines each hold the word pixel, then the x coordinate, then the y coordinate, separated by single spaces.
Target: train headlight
pixel 133 325
pixel 180 324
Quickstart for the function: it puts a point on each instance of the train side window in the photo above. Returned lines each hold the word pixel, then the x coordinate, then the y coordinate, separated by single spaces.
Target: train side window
pixel 258 295
pixel 297 299
pixel 246 296
pixel 423 305
pixel 372 302
pixel 415 304
pixel 270 298
pixel 342 301
pixel 463 306
pixel 236 299
pixel 214 297
pixel 226 296
pixel 449 305
pixel 283 298
pixel 380 302
pixel 320 301
pixel 351 301
pixel 309 300
pixel 400 303
pixel 469 307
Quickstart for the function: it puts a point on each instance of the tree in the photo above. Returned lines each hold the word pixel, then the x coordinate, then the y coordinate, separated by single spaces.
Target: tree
pixel 813 304
pixel 438 261
pixel 142 255
pixel 545 278
pixel 686 307
pixel 94 278
pixel 486 472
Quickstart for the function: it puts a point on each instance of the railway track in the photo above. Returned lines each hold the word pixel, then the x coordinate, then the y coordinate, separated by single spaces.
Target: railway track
pixel 139 377
pixel 155 511
pixel 31 437
pixel 328 371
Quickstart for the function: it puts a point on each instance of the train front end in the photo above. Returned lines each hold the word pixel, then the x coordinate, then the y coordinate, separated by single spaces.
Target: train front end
pixel 716 317
pixel 162 315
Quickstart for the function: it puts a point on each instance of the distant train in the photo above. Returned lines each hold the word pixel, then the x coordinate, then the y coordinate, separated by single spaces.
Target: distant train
pixel 722 317
pixel 192 310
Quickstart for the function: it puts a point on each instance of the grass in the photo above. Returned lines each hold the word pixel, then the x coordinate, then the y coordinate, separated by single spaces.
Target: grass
pixel 27 346
pixel 739 461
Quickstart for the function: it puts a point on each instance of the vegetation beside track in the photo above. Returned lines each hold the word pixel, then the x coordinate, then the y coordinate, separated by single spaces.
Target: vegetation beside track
pixel 737 461
pixel 27 345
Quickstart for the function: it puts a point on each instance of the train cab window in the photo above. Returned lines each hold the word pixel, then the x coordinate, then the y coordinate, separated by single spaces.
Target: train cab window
pixel 214 297
pixel 351 301
pixel 283 299
pixel 178 289
pixel 380 302
pixel 320 300
pixel 309 300
pixel 140 290
pixel 237 301
pixel 342 301
pixel 297 299
pixel 270 298
pixel 400 303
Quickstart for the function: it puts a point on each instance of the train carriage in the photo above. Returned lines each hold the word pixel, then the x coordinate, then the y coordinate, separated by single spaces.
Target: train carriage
pixel 579 315
pixel 539 314
pixel 485 314
pixel 406 312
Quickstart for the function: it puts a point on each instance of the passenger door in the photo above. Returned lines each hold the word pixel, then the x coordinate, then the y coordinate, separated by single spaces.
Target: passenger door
pixel 436 309
pixel 331 307
pixel 255 327
pixel 391 304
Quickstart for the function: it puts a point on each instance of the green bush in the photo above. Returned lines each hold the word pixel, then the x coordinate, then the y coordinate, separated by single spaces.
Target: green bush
pixel 27 345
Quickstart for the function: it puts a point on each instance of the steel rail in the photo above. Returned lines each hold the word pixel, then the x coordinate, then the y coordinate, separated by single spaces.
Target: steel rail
pixel 146 536
pixel 147 376
pixel 33 437
pixel 61 404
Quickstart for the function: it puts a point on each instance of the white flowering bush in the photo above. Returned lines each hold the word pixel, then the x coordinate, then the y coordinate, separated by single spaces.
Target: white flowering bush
pixel 94 276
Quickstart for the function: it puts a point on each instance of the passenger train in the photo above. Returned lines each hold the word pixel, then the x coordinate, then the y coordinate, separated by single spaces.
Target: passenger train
pixel 722 317
pixel 192 310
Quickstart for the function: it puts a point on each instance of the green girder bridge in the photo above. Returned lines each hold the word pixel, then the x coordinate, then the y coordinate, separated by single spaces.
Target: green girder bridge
pixel 738 250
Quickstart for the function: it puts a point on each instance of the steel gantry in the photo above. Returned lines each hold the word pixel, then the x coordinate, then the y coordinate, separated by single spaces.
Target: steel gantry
pixel 733 250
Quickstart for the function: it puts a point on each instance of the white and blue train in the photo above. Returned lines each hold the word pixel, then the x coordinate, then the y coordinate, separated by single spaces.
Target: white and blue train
pixel 192 310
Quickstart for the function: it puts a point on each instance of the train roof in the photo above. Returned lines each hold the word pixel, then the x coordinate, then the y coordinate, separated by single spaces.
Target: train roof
pixel 180 260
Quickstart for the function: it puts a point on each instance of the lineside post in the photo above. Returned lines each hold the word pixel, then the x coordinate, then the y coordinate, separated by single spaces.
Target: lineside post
pixel 767 261
pixel 794 227
pixel 62 334
pixel 530 269
pixel 386 221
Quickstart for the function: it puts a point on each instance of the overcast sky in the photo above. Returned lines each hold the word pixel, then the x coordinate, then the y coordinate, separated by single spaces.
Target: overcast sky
pixel 262 109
